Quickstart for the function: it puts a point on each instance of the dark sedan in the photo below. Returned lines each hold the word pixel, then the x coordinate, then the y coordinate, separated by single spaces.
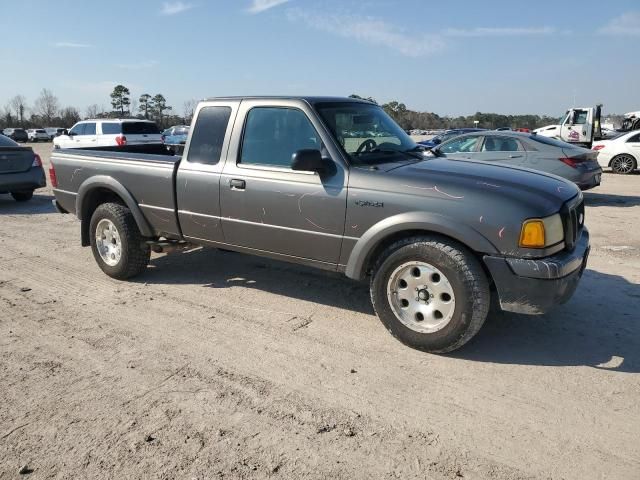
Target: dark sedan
pixel 17 134
pixel 449 134
pixel 576 164
pixel 21 170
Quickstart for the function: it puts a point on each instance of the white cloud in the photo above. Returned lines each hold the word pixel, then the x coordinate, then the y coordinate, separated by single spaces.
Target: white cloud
pixel 371 31
pixel 138 66
pixel 627 24
pixel 499 31
pixel 258 6
pixel 173 8
pixel 71 45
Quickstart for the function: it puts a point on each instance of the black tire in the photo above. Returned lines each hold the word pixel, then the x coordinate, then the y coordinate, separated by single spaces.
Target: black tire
pixel 135 253
pixel 623 164
pixel 22 196
pixel 465 275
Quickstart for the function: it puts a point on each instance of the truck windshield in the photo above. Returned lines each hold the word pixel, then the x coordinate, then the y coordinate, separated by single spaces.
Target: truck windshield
pixel 366 133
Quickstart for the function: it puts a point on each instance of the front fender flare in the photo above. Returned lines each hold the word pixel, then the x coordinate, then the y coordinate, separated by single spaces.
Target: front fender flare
pixel 412 221
pixel 109 183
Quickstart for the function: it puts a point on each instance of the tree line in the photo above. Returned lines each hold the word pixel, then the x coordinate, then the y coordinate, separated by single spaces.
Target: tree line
pixel 412 120
pixel 46 110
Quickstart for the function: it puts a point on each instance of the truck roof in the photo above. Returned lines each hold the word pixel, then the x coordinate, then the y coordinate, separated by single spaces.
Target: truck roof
pixel 307 98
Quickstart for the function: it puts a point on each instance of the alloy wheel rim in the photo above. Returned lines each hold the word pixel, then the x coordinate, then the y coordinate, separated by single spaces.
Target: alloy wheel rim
pixel 624 164
pixel 108 242
pixel 421 297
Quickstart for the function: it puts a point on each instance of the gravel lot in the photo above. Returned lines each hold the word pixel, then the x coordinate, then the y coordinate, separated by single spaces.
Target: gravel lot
pixel 219 365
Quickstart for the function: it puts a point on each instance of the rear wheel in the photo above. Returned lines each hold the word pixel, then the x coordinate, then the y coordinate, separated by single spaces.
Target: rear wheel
pixel 623 164
pixel 118 247
pixel 430 293
pixel 22 196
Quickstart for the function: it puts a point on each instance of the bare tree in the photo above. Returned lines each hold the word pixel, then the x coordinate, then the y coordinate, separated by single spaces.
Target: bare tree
pixel 69 116
pixel 19 105
pixel 46 105
pixel 189 109
pixel 92 111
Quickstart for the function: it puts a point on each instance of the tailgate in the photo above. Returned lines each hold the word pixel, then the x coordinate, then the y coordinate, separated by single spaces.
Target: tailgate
pixel 143 139
pixel 15 159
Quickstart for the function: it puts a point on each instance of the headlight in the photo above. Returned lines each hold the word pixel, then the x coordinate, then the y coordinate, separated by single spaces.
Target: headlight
pixel 541 232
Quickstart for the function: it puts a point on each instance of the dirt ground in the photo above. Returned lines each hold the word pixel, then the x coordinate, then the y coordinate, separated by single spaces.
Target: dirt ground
pixel 218 365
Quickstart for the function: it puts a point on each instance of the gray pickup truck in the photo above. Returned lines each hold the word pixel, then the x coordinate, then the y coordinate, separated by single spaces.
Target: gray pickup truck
pixel 336 184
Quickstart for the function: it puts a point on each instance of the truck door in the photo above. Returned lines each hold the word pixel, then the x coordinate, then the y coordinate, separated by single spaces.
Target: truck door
pixel 577 126
pixel 265 204
pixel 198 177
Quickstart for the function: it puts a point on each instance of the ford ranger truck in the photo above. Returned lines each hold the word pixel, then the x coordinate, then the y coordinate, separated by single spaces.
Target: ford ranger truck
pixel 336 184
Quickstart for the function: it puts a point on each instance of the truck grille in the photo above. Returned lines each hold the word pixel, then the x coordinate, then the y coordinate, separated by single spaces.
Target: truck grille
pixel 572 214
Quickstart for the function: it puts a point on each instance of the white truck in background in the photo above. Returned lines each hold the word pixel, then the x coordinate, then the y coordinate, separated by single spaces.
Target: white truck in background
pixel 582 126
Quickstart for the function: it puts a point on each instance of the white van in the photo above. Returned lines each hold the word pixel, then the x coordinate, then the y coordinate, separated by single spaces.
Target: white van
pixel 110 133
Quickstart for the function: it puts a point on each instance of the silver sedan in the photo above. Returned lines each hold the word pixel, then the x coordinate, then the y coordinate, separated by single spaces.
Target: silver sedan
pixel 527 150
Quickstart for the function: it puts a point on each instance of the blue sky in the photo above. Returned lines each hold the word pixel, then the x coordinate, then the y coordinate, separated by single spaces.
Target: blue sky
pixel 447 57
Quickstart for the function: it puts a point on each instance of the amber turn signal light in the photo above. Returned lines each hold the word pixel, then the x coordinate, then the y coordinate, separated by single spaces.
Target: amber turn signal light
pixel 532 234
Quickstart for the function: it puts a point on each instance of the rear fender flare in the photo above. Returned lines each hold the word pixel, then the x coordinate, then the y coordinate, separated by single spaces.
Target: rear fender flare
pixel 359 258
pixel 109 183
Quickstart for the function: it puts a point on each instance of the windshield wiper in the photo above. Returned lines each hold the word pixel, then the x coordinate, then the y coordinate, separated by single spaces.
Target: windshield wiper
pixel 413 152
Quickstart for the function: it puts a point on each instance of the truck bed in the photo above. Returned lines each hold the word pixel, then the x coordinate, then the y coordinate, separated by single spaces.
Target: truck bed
pixel 149 179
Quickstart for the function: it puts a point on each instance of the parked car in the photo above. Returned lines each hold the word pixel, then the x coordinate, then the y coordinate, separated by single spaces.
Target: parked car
pixel 175 138
pixel 113 134
pixel 576 164
pixel 621 153
pixel 275 177
pixel 37 135
pixel 16 134
pixel 54 132
pixel 443 137
pixel 20 170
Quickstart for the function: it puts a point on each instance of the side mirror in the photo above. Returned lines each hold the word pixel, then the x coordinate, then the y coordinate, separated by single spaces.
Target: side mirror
pixel 437 141
pixel 307 161
pixel 68 133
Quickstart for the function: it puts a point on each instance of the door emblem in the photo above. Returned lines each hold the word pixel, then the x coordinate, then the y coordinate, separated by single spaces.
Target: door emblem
pixel 369 203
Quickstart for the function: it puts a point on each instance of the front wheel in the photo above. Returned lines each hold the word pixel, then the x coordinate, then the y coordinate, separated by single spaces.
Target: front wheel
pixel 116 242
pixel 623 164
pixel 22 196
pixel 430 293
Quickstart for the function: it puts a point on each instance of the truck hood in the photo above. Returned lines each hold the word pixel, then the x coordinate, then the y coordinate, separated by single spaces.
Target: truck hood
pixel 460 178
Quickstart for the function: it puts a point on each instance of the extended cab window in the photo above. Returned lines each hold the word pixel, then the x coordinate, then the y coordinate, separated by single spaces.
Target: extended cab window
pixel 272 135
pixel 208 135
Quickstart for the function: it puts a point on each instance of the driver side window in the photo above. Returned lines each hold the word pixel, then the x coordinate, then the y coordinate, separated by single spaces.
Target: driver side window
pixel 78 129
pixel 464 144
pixel 273 134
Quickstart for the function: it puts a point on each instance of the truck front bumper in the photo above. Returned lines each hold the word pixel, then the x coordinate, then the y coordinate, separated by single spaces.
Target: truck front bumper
pixel 534 286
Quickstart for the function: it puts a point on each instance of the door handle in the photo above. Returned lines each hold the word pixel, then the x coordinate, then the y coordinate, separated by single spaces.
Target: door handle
pixel 237 184
pixel 515 156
